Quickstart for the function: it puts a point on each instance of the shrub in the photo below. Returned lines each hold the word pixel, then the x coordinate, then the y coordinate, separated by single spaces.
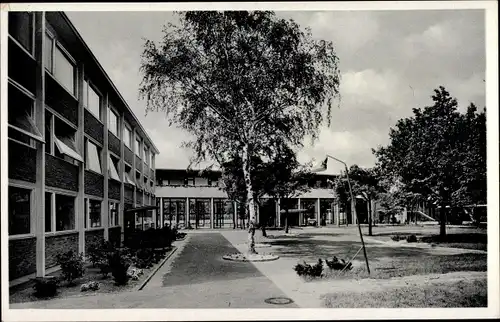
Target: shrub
pixel 119 263
pixel 144 258
pixel 397 237
pixel 337 264
pixel 411 239
pixel 99 250
pixel 46 286
pixel 72 265
pixel 308 270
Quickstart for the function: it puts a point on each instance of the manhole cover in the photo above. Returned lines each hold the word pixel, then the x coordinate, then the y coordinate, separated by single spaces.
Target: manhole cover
pixel 279 300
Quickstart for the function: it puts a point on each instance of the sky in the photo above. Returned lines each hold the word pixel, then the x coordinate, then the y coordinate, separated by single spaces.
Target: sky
pixel 390 63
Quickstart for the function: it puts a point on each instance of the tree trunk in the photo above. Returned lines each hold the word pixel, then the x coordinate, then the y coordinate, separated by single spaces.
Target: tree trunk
pixel 370 220
pixel 442 218
pixel 250 200
pixel 286 221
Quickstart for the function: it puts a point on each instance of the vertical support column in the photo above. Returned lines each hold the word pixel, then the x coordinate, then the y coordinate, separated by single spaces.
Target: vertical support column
pixel 300 213
pixel 318 213
pixel 212 217
pixel 40 151
pixel 105 165
pixel 186 216
pixel 336 214
pixel 278 212
pixel 132 130
pixel 121 166
pixel 80 141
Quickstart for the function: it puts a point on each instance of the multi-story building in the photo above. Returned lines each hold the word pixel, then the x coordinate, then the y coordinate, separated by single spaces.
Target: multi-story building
pixel 188 198
pixel 78 156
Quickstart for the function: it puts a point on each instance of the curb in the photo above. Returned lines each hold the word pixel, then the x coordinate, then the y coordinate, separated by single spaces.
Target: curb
pixel 143 284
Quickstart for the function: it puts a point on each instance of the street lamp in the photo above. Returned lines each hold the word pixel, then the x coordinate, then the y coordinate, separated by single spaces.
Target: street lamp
pixel 324 167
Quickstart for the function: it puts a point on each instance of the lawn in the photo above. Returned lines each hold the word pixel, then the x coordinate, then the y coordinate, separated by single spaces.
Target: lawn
pixel 385 261
pixel 464 293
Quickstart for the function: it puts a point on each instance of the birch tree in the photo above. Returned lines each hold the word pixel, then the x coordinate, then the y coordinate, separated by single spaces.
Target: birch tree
pixel 242 80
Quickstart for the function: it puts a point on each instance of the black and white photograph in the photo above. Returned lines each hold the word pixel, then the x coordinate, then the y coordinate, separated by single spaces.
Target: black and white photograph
pixel 159 160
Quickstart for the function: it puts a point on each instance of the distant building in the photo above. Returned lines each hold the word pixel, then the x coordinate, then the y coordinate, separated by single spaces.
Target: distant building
pixel 78 156
pixel 186 198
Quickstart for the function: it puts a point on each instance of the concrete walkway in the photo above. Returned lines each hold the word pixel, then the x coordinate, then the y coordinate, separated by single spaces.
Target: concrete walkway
pixel 198 277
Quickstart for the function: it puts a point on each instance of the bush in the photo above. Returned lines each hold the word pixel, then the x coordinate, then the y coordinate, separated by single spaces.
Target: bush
pixel 397 238
pixel 308 270
pixel 98 251
pixel 46 286
pixel 411 239
pixel 119 263
pixel 72 265
pixel 337 264
pixel 144 258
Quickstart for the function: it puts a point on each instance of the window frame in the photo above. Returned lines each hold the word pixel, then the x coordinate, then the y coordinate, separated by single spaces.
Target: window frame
pixel 32 221
pixel 91 86
pixel 30 51
pixel 128 128
pixel 86 207
pixel 138 146
pixel 111 110
pixel 99 149
pixel 55 191
pixel 111 165
pixel 56 45
pixel 117 224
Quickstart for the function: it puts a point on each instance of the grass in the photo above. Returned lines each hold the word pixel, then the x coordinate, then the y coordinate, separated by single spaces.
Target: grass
pixel 437 295
pixel 25 292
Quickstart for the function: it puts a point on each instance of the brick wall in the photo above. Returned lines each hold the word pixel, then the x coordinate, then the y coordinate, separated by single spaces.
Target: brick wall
pixel 114 143
pixel 114 188
pixel 57 245
pixel 129 193
pixel 22 257
pixel 115 235
pixel 60 100
pixel 128 155
pixel 93 127
pixel 94 184
pixel 92 236
pixel 60 174
pixel 22 162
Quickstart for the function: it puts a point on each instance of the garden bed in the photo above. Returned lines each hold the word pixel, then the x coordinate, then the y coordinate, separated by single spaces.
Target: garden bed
pixel 25 292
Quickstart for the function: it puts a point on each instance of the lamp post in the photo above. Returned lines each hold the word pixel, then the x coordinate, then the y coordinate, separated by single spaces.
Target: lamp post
pixel 324 166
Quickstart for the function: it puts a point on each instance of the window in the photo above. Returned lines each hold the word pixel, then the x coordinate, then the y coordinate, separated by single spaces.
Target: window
pixel 151 163
pixel 59 64
pixel 20 116
pixel 138 180
pixel 65 141
pixel 127 136
pixel 128 175
pixel 65 212
pixel 21 28
pixel 47 52
pixel 114 214
pixel 93 213
pixel 19 211
pixel 112 122
pixel 112 166
pixel 138 147
pixel 189 181
pixel 146 155
pixel 91 99
pixel 48 212
pixel 146 185
pixel 93 157
pixel 48 132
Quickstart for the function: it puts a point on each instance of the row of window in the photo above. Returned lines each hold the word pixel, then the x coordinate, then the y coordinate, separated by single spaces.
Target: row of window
pixel 62 67
pixel 59 212
pixel 188 181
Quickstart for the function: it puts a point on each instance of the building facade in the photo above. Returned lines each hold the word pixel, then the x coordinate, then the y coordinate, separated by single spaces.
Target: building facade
pixel 78 156
pixel 186 198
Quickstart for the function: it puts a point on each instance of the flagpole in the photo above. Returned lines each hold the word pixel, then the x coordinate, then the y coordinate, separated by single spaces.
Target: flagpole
pixel 353 205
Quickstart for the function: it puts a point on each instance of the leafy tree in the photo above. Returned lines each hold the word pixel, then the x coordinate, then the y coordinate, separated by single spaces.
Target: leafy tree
pixel 286 177
pixel 238 81
pixel 439 153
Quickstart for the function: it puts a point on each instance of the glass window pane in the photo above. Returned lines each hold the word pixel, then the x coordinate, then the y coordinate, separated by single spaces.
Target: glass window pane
pixel 126 136
pixel 113 122
pixel 64 71
pixel 48 212
pixel 138 147
pixel 93 160
pixel 94 102
pixel 113 174
pixel 47 54
pixel 85 93
pixel 19 211
pixel 65 213
pixel 113 214
pixel 21 28
pixel 94 213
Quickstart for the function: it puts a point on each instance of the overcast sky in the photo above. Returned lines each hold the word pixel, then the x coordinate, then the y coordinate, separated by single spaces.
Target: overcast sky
pixel 390 63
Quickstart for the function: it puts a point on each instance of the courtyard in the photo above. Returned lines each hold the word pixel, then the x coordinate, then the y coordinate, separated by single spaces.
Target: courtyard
pixel 402 274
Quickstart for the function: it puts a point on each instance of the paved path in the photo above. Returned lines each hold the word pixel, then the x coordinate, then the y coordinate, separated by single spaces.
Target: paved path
pixel 198 278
